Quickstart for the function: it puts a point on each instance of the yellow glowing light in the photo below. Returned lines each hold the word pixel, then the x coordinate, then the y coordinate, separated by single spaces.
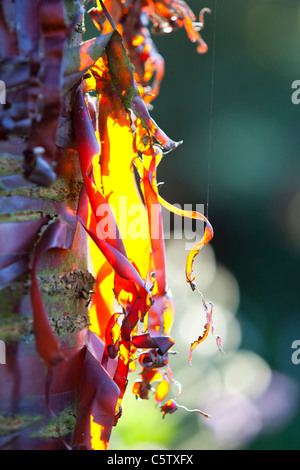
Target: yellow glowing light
pixel 96 430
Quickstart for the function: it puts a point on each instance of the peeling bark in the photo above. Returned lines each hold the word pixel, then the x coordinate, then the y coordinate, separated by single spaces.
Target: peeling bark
pixel 63 276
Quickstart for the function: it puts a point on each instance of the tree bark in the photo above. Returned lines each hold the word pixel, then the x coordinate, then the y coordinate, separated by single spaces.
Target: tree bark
pixel 27 421
pixel 64 380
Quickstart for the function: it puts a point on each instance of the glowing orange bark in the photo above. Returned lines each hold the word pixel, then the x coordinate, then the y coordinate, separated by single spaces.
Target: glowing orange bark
pixel 128 137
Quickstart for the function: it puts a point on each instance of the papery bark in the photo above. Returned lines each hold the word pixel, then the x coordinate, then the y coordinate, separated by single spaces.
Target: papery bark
pixel 75 129
pixel 44 274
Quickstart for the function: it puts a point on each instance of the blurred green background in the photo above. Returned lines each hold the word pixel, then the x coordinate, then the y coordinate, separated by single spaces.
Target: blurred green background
pixel 247 153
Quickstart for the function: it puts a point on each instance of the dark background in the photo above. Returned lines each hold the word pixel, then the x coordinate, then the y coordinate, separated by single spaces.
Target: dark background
pixel 252 170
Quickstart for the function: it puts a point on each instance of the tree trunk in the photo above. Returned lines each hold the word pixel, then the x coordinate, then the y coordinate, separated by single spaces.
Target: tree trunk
pixel 61 158
pixel 27 421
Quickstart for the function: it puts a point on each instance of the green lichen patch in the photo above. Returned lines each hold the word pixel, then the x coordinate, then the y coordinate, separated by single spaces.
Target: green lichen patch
pixel 76 283
pixel 67 323
pixel 60 190
pixel 11 423
pixel 10 296
pixel 64 425
pixel 61 294
pixel 16 328
pixel 20 216
pixel 10 165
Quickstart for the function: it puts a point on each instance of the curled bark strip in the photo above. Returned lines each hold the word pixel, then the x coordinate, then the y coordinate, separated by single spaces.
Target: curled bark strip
pixel 112 248
pixel 171 406
pixel 98 396
pixel 168 15
pixel 79 59
pixel 161 343
pixel 209 326
pixel 206 415
pixel 108 15
pixel 205 333
pixel 157 239
pixel 208 233
pixel 175 382
pixel 88 148
pixel 121 72
pixel 112 338
pixel 143 54
pixel 150 187
pixel 116 259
